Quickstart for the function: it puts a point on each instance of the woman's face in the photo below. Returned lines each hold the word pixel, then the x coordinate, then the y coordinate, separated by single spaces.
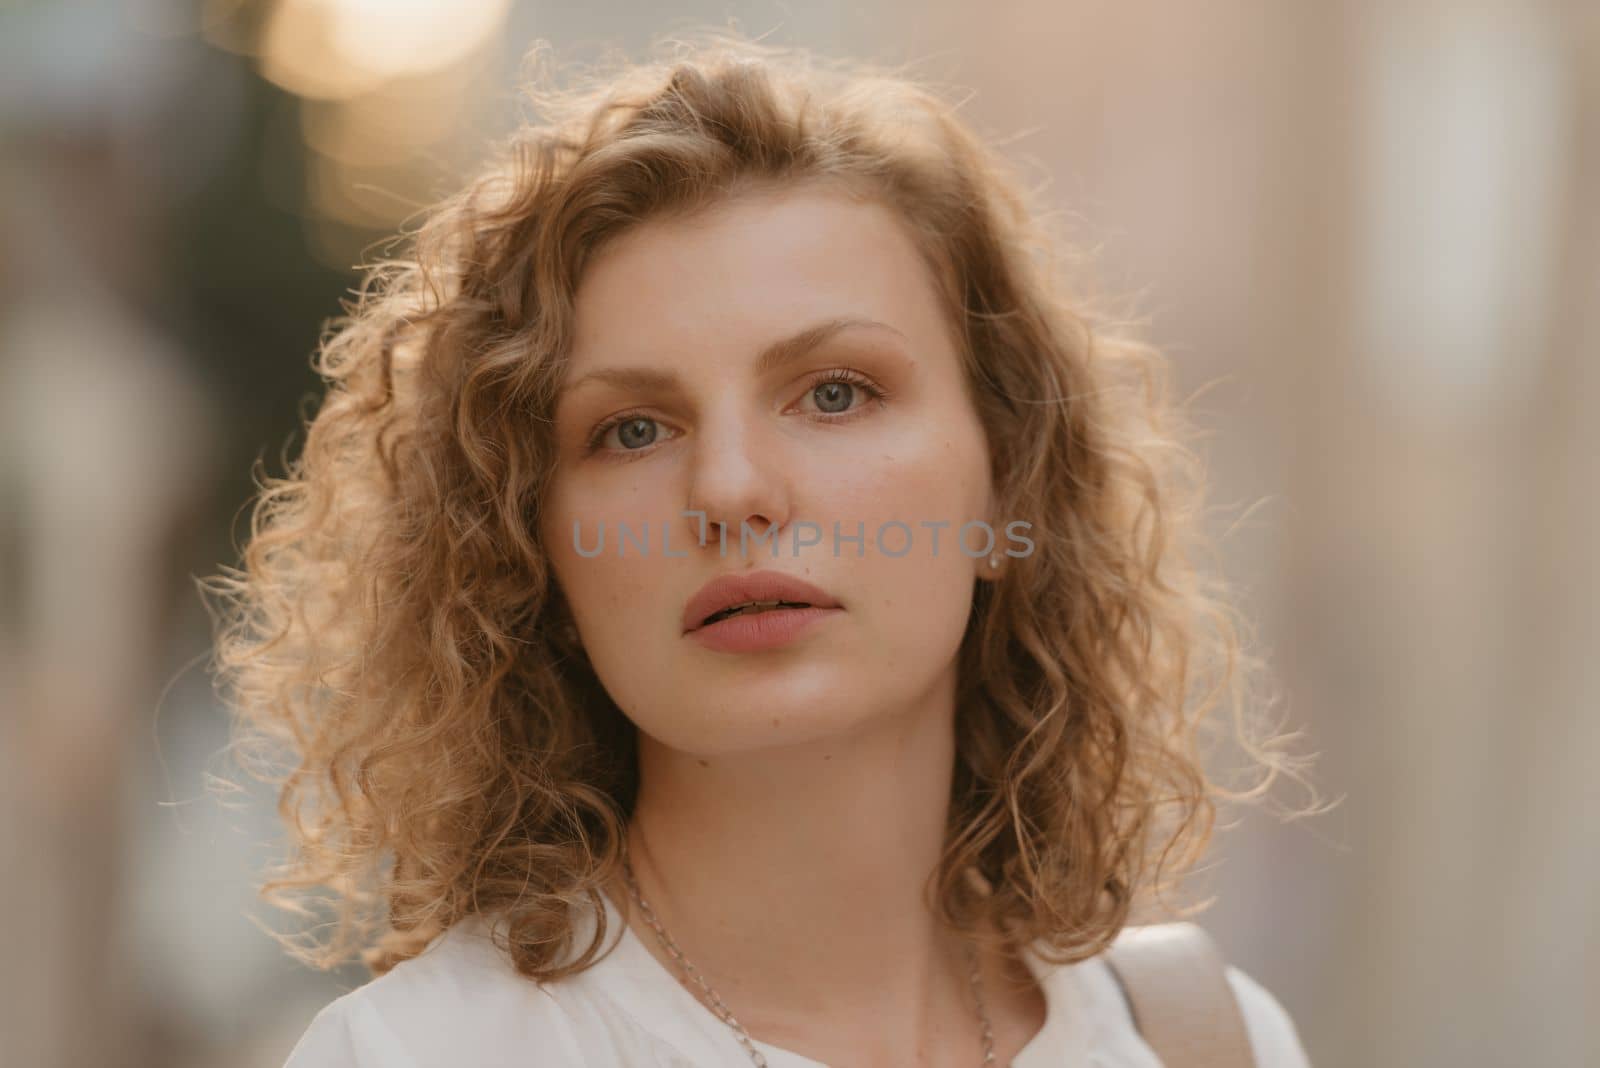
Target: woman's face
pixel 778 360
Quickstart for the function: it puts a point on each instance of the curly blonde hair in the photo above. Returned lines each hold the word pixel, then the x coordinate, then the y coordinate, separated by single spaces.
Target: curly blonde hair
pixel 391 639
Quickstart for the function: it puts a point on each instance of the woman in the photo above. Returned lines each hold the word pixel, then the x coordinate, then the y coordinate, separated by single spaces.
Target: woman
pixel 734 607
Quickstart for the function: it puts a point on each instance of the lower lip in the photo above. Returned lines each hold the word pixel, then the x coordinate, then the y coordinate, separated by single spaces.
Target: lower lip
pixel 763 630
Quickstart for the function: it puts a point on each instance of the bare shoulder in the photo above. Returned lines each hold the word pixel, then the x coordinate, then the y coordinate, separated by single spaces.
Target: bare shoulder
pixel 1273 1036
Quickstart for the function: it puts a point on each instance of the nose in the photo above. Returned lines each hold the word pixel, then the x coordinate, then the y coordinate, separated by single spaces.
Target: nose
pixel 737 477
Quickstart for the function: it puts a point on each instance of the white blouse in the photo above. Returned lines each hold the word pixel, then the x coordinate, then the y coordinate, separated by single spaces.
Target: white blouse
pixel 461 1003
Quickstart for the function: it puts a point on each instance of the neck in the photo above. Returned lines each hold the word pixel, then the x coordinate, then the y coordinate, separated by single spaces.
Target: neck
pixel 794 879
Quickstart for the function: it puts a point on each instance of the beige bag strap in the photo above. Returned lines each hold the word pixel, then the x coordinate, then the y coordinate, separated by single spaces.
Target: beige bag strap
pixel 1173 977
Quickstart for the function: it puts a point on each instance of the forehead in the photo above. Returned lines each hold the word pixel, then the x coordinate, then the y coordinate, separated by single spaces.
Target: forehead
pixel 741 272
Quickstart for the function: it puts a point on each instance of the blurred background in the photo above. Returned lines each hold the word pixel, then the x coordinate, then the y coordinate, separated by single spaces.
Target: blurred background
pixel 1370 229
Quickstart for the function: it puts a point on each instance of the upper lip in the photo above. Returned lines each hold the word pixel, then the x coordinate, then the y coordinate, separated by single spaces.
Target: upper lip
pixel 726 591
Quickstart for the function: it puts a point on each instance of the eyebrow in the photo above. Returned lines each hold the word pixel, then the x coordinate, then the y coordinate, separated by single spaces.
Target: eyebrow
pixel 774 356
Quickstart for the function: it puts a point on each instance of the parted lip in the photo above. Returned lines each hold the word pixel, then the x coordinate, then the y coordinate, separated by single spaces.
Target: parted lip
pixel 726 591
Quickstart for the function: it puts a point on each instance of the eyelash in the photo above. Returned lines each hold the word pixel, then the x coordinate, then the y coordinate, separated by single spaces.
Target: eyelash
pixel 849 375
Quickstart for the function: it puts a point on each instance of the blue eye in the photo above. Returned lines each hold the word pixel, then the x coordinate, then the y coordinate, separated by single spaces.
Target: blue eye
pixel 835 391
pixel 834 397
pixel 634 432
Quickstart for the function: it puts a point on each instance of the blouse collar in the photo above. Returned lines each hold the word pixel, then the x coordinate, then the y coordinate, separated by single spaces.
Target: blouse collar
pixel 648 992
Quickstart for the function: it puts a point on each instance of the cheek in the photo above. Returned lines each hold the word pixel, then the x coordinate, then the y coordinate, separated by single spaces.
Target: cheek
pixel 607 589
pixel 917 613
pixel 625 623
pixel 936 473
pixel 607 498
pixel 916 589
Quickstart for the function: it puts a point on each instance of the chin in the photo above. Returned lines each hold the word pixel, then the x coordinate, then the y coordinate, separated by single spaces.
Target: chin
pixel 733 715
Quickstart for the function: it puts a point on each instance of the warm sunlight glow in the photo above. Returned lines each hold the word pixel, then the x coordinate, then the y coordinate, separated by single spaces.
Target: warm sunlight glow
pixel 335 49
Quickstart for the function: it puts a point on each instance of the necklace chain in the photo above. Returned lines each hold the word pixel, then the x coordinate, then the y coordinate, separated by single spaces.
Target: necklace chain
pixel 721 1010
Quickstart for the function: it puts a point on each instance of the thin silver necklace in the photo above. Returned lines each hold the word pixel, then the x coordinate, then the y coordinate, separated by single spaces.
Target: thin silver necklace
pixel 721 1009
